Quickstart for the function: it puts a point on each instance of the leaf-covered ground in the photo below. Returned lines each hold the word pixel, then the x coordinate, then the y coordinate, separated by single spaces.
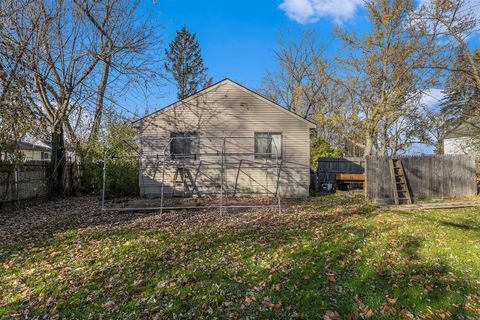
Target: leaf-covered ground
pixel 327 257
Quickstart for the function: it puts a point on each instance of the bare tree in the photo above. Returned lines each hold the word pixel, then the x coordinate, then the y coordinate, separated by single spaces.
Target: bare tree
pixel 299 80
pixel 13 99
pixel 74 45
pixel 397 134
pixel 303 83
pixel 436 126
pixel 452 23
pixel 127 43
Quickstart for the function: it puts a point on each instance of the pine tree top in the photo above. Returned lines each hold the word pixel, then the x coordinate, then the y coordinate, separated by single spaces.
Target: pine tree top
pixel 185 63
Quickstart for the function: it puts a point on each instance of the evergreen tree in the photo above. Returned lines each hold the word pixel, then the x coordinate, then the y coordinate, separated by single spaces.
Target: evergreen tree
pixel 185 63
pixel 462 96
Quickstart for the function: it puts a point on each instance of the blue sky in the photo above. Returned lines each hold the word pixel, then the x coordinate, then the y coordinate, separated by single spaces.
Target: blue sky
pixel 238 37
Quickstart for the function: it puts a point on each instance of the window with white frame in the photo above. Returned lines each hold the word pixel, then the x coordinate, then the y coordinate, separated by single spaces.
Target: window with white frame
pixel 184 144
pixel 268 145
pixel 46 156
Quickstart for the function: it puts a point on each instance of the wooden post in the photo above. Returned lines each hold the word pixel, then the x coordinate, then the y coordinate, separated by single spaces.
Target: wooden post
pixel 236 178
pixel 17 191
pixel 104 184
pixel 221 178
pixel 365 185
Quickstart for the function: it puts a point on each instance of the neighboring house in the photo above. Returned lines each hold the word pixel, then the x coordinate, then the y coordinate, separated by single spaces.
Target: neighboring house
pixel 39 150
pixel 35 151
pixel 464 139
pixel 191 134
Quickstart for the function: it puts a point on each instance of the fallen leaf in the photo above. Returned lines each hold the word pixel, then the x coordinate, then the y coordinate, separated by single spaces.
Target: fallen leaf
pixel 332 315
pixel 277 307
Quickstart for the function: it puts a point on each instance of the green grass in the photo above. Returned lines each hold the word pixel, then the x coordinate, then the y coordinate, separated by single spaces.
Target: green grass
pixel 331 256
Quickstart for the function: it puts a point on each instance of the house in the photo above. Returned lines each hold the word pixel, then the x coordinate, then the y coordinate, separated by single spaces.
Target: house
pixel 227 133
pixel 33 151
pixel 464 139
pixel 39 150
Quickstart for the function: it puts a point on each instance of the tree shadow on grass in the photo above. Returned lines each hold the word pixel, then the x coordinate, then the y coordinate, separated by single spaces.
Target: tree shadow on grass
pixel 263 266
pixel 275 268
pixel 394 283
pixel 37 226
pixel 174 267
pixel 409 246
pixel 460 225
pixel 469 224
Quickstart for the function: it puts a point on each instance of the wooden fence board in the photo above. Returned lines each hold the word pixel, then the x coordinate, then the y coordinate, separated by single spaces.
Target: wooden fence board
pixel 428 176
pixel 33 180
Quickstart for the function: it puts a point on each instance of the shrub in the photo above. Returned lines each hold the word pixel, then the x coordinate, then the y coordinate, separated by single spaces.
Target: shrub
pixel 320 148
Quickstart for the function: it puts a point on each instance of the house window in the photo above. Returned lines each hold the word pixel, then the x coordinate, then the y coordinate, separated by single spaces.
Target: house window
pixel 46 156
pixel 268 145
pixel 184 145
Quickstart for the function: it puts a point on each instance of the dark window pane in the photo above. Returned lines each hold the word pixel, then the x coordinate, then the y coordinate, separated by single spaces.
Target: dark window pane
pixel 176 145
pixel 184 144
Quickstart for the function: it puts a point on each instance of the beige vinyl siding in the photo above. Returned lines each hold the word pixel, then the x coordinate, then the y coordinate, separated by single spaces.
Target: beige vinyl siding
pixel 227 110
pixel 32 154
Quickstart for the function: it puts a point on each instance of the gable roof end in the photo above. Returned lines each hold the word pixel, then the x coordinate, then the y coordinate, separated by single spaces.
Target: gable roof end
pixel 243 88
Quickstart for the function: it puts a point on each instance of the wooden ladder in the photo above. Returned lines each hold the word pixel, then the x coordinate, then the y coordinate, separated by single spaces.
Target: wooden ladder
pixel 399 182
pixel 183 179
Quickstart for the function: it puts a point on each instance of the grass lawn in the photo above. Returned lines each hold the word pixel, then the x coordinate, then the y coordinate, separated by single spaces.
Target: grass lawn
pixel 328 257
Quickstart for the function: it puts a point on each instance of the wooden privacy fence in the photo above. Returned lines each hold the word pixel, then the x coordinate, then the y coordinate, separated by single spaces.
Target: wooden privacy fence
pixel 428 176
pixel 26 181
pixel 29 180
pixel 328 167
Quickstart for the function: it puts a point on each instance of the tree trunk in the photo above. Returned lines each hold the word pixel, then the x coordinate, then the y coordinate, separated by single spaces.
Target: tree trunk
pixel 100 99
pixel 58 162
pixel 368 146
pixel 383 151
pixel 439 147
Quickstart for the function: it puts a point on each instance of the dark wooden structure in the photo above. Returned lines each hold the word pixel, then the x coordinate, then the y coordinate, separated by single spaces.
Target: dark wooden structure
pixel 340 171
pixel 328 168
pixel 349 180
pixel 426 176
pixel 29 180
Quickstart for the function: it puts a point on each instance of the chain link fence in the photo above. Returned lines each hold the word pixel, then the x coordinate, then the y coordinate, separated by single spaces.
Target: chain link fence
pixel 29 180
